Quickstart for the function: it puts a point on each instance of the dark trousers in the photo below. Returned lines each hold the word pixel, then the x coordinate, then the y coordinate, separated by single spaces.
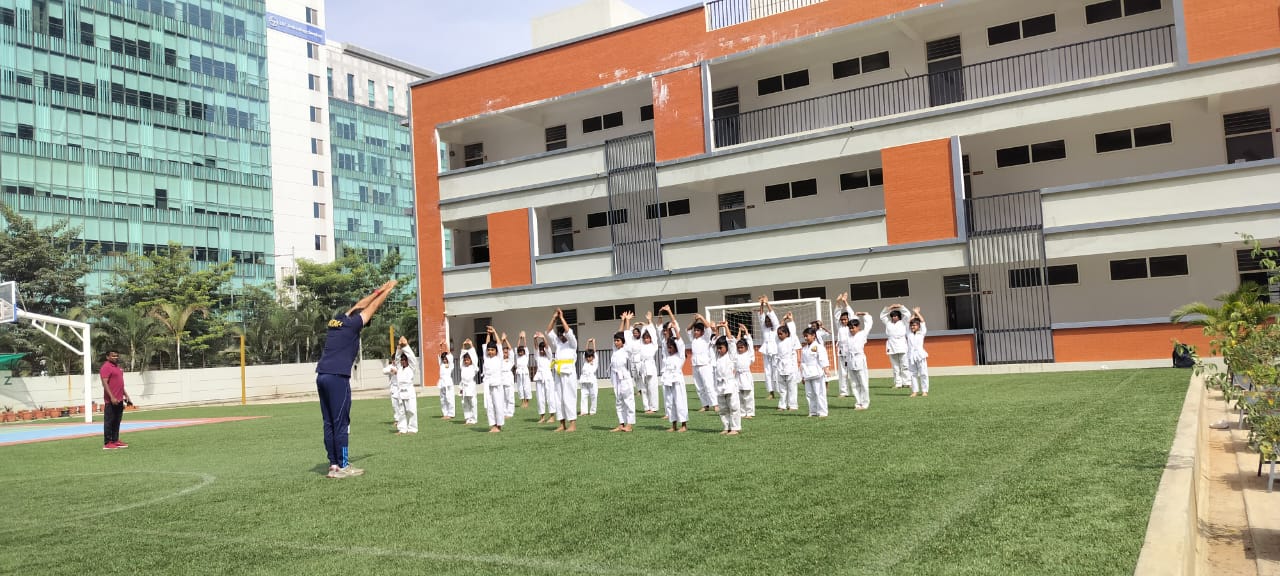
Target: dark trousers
pixel 112 415
pixel 335 408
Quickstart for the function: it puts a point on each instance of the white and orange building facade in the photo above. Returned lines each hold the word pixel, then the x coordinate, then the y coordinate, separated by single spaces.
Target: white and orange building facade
pixel 1046 179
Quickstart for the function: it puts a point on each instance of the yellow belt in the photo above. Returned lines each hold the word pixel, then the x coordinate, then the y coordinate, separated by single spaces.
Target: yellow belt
pixel 556 364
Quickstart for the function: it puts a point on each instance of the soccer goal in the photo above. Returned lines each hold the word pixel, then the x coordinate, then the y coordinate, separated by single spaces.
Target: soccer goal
pixel 804 311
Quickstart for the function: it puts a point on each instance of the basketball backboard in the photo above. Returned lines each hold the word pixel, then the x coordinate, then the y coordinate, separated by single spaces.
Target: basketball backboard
pixel 8 302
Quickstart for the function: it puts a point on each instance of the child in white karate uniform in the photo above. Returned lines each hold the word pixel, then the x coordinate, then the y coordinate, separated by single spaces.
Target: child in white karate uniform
pixel 855 358
pixel 624 392
pixel 647 351
pixel 406 398
pixel 673 385
pixel 587 379
pixel 467 373
pixel 508 379
pixel 633 334
pixel 543 381
pixel 769 345
pixel 815 367
pixel 726 375
pixel 700 342
pixel 565 345
pixel 842 345
pixel 445 384
pixel 744 357
pixel 895 318
pixel 523 383
pixel 786 366
pixel 495 398
pixel 917 357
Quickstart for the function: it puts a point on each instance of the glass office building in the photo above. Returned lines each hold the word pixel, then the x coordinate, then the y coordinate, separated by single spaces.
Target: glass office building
pixel 144 121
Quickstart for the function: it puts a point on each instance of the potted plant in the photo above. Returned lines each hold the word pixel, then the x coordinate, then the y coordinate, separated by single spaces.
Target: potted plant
pixel 25 415
pixel 75 410
pixel 7 415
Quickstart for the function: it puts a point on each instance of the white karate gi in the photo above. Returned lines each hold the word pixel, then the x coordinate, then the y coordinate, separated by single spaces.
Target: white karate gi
pixel 590 386
pixel 495 398
pixel 746 381
pixel 769 350
pixel 726 384
pixel 566 377
pixel 787 371
pixel 854 357
pixel 673 385
pixel 445 385
pixel 635 362
pixel 813 367
pixel 703 374
pixel 918 361
pixel 467 387
pixel 406 399
pixel 896 346
pixel 624 391
pixel 648 381
pixel 523 386
pixel 509 385
pixel 545 384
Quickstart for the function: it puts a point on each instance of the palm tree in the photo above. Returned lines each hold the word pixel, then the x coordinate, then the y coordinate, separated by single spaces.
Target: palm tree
pixel 175 317
pixel 130 330
pixel 1239 312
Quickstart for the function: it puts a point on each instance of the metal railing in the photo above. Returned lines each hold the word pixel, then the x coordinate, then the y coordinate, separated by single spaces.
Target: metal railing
pixel 725 13
pixel 1101 57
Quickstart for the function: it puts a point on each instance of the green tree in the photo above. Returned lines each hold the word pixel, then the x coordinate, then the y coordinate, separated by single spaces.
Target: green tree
pixel 335 286
pixel 175 317
pixel 133 332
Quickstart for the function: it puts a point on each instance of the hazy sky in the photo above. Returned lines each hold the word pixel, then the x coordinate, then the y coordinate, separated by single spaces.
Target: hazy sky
pixel 444 35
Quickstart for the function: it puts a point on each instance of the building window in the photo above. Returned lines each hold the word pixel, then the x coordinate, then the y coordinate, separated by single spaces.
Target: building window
pixel 788 81
pixel 1252 270
pixel 557 137
pixel 317 146
pixel 862 65
pixel 561 235
pixel 788 190
pixel 1042 152
pixel 1133 138
pixel 1166 266
pixel 313 51
pixel 1113 9
pixel 473 154
pixel 391 98
pixel 479 246
pixel 377 226
pixel 1063 274
pixel 317 178
pixel 1025 278
pixel 353 225
pixel 1038 26
pixel 313 82
pixel 879 290
pixel 351 87
pixel 646 113
pixel 162 199
pixel 800 293
pixel 665 209
pixel 170 57
pixel 26 132
pixel 1129 269
pixel 329 80
pixel 681 306
pixel 57 28
pixel 373 95
pixel 1248 136
pixel 862 179
pixel 86 34
pixel 316 115
pixel 313 16
pixel 322 242
pixel 7 16
pixel 607 313
pixel 598 123
pixel 733 211
pixel 613 217
pixel 317 210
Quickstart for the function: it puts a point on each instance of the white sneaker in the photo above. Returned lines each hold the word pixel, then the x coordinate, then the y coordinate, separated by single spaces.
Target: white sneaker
pixel 350 471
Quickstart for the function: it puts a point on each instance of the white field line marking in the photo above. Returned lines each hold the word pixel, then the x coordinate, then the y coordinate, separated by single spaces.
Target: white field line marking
pixel 205 481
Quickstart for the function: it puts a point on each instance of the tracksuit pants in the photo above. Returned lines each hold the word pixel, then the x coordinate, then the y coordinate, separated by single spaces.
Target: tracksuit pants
pixel 335 409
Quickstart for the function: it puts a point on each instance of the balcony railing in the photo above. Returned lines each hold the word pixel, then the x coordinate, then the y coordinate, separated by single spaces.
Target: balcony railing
pixel 1111 55
pixel 725 13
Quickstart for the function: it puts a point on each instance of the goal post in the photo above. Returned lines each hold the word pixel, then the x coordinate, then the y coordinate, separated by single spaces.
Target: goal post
pixel 804 311
pixel 12 312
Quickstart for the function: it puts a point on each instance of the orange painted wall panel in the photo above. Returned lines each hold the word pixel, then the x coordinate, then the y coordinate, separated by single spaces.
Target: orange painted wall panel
pixel 509 249
pixel 1124 342
pixel 919 198
pixel 1222 28
pixel 677 114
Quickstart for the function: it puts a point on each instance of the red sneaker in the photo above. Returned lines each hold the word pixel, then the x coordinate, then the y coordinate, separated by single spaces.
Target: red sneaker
pixel 110 446
pixel 120 444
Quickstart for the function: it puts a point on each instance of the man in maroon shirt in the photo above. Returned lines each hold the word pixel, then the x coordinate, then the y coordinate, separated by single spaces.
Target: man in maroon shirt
pixel 115 398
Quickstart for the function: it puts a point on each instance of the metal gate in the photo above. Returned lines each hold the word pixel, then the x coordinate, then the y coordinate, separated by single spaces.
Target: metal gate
pixel 633 194
pixel 1006 253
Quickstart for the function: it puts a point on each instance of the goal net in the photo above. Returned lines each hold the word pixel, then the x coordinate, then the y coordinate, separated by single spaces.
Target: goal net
pixel 803 312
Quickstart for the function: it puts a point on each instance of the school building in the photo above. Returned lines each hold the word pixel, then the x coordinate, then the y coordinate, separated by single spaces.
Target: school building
pixel 1048 180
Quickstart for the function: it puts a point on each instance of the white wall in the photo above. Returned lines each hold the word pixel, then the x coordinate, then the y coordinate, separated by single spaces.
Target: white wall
pixel 185 387
pixel 291 134
pixel 344 63
pixel 580 20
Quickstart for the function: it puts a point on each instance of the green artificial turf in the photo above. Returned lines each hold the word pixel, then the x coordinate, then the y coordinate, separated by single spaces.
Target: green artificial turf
pixel 1019 474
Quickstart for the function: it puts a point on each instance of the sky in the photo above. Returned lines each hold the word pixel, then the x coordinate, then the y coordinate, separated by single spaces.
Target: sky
pixel 445 35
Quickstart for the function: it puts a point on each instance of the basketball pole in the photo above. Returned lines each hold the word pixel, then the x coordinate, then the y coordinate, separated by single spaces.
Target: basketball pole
pixel 83 332
pixel 242 379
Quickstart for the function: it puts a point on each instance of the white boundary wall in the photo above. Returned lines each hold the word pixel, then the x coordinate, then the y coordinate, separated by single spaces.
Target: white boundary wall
pixel 183 387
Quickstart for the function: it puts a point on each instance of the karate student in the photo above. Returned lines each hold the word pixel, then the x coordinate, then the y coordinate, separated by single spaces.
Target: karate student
pixel 746 355
pixel 623 386
pixel 445 385
pixel 786 366
pixel 632 332
pixel 842 345
pixel 700 340
pixel 587 379
pixel 726 375
pixel 853 355
pixel 647 350
pixel 673 375
pixel 467 382
pixel 917 357
pixel 769 344
pixel 406 398
pixel 566 378
pixel 508 378
pixel 495 398
pixel 815 367
pixel 403 350
pixel 523 383
pixel 895 318
pixel 543 381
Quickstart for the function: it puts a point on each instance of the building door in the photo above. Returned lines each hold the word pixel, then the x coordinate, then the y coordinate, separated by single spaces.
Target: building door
pixel 725 118
pixel 633 187
pixel 946 79
pixel 963 298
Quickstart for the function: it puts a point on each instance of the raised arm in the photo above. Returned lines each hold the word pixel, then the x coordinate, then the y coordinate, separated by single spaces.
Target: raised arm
pixel 408 352
pixel 591 344
pixel 369 305
pixel 520 339
pixel 563 323
pixel 867 322
pixel 489 335
pixel 917 313
pixel 624 321
pixel 551 326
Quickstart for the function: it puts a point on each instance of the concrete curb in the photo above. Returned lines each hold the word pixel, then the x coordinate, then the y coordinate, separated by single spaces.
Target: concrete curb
pixel 1174 545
